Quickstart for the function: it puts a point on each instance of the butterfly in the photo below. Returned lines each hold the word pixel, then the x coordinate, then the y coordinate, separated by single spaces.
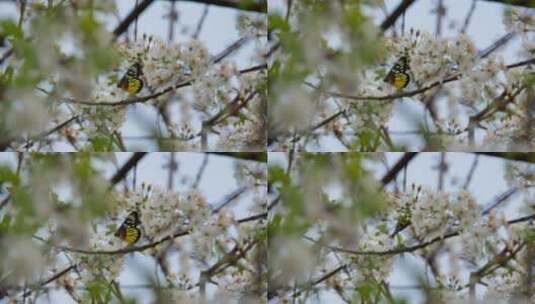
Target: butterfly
pixel 398 76
pixel 131 81
pixel 128 231
pixel 403 219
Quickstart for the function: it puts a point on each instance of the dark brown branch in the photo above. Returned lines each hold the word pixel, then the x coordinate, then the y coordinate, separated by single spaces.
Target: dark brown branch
pixel 123 171
pixel 51 131
pixel 6 55
pixel 229 259
pixel 51 279
pixel 5 144
pixel 402 163
pixel 390 20
pixel 513 156
pixel 254 156
pixel 321 279
pixel 132 16
pixel 253 218
pixel 259 6
pixel 123 250
pixel 4 202
pixel 525 3
pixel 499 260
pixel 318 125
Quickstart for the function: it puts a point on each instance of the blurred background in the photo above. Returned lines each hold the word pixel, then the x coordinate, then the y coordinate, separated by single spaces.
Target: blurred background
pixel 201 221
pixel 75 61
pixel 326 56
pixel 331 229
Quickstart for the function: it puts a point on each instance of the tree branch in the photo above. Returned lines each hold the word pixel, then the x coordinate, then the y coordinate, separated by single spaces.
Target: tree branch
pixel 134 14
pixel 410 93
pixel 390 20
pixel 259 6
pixel 119 251
pixel 512 156
pixel 525 3
pixel 413 247
pixel 402 163
pixel 123 171
pixel 253 156
pixel 141 99
pixel 49 280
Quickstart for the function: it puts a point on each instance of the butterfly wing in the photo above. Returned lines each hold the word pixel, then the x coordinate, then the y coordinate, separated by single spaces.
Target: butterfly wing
pixel 128 231
pixel 398 76
pixel 131 82
pixel 132 220
pixel 132 235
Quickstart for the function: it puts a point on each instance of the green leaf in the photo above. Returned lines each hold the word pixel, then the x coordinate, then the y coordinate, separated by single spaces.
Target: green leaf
pixel 7 175
pixel 10 29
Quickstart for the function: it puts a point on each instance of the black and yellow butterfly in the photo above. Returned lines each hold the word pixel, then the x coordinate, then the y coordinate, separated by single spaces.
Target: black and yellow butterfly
pixel 128 231
pixel 131 82
pixel 398 76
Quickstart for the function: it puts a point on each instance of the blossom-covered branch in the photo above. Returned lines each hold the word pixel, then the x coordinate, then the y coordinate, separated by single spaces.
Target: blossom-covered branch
pixel 141 99
pixel 413 92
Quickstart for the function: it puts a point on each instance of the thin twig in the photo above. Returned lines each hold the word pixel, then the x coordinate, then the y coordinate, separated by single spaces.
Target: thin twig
pixel 252 218
pixel 201 171
pixel 442 169
pixel 496 45
pixel 45 134
pixel 135 22
pixel 49 280
pixel 236 45
pixel 201 22
pixel 471 172
pixel 229 199
pixel 499 200
pixel 440 11
pixel 173 16
pixel 172 167
pixel 468 17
